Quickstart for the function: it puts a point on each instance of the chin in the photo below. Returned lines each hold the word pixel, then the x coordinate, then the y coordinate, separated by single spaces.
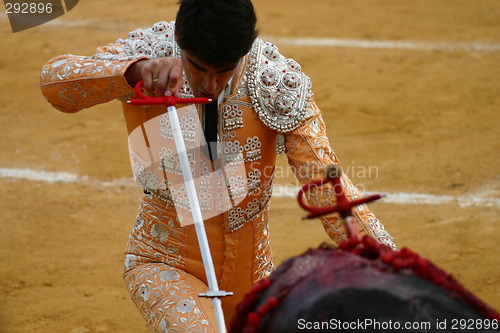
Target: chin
pixel 209 96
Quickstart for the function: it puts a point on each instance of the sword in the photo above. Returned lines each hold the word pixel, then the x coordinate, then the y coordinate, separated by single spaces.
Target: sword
pixel 170 102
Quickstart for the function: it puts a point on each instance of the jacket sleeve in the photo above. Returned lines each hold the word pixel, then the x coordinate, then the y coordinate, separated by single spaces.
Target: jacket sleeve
pixel 71 82
pixel 309 152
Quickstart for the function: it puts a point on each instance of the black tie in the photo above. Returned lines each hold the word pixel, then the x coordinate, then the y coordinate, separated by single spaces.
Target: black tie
pixel 211 117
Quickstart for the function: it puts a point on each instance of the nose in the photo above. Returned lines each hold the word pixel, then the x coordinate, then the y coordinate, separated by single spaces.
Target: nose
pixel 210 84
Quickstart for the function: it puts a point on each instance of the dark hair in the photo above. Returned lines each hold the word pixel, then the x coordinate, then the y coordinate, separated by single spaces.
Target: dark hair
pixel 218 32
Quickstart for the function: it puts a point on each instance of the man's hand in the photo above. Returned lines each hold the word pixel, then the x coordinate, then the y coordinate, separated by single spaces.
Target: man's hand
pixel 163 76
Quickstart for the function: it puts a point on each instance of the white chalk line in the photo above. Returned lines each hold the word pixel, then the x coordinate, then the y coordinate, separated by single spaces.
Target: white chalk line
pixel 60 177
pixel 409 198
pixel 386 44
pixel 403 198
pixel 319 42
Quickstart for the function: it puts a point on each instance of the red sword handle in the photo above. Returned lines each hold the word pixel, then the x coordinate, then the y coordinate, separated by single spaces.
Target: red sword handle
pixel 343 205
pixel 163 100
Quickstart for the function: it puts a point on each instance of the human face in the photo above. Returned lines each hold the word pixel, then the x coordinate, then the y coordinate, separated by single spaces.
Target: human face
pixel 206 81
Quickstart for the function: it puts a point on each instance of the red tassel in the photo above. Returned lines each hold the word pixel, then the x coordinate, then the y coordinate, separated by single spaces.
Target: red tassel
pixel 253 320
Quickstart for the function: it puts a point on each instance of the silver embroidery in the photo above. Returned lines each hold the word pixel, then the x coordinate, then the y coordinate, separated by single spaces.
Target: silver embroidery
pixel 155 42
pixel 280 92
pixel 280 144
pixel 237 216
pixel 380 233
pixel 232 152
pixel 143 174
pixel 252 149
pixel 71 69
pixel 253 208
pixel 77 67
pixel 263 253
pixel 253 180
pixel 237 186
pixel 188 126
pixel 232 117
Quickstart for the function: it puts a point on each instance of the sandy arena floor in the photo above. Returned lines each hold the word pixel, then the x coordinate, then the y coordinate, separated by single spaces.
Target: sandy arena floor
pixel 402 118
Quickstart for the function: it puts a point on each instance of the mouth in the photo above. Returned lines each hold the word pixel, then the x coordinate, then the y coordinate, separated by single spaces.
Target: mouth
pixel 212 96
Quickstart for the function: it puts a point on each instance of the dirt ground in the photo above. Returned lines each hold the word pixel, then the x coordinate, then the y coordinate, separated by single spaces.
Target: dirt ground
pixel 422 121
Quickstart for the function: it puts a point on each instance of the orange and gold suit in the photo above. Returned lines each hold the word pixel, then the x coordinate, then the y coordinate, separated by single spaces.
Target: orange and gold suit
pixel 268 110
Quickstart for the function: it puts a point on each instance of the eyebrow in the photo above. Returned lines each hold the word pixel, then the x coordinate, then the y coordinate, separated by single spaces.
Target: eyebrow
pixel 201 68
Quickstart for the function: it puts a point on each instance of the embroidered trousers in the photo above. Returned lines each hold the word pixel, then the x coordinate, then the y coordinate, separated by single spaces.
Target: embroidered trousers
pixel 164 270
